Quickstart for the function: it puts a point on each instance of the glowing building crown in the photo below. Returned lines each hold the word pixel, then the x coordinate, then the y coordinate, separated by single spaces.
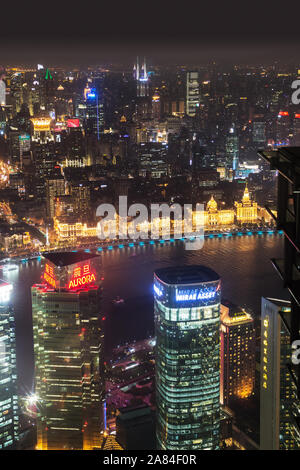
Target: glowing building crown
pixel 212 205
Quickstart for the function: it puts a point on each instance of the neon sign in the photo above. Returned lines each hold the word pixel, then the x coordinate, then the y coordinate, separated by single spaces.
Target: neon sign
pixel 188 295
pixel 73 122
pixel 49 276
pixel 265 352
pixel 81 277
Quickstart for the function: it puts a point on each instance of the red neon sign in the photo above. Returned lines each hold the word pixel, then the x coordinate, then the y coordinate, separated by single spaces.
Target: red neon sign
pixel 283 113
pixel 81 277
pixel 49 275
pixel 297 116
pixel 73 123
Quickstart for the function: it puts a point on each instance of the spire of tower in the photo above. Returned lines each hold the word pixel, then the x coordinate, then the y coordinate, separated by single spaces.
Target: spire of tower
pixel 137 69
pixel 246 196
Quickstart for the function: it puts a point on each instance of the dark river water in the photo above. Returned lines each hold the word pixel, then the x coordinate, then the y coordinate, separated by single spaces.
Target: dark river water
pixel 242 262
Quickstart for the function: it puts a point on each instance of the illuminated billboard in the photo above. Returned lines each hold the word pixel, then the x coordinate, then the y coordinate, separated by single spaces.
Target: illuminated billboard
pixel 70 271
pixel 41 124
pixel 73 122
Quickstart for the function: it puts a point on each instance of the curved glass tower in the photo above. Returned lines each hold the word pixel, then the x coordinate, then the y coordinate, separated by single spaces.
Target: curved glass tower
pixel 187 320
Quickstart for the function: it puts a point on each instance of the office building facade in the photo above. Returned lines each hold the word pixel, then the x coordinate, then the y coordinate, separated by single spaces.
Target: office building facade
pixel 68 350
pixel 279 404
pixel 9 406
pixel 237 343
pixel 187 322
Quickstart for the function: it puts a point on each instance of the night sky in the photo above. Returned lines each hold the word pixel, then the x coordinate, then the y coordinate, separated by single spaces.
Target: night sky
pixel 167 32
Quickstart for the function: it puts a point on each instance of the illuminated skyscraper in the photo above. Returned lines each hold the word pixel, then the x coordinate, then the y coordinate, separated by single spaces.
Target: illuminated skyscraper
pixel 192 93
pixel 279 404
pixel 232 149
pixel 54 187
pixel 237 338
pixel 2 89
pixel 9 408
pixel 141 77
pixel 187 322
pixel 68 349
pixel 94 113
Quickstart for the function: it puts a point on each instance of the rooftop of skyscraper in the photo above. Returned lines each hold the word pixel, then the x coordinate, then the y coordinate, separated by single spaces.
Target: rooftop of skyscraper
pixel 187 274
pixel 68 258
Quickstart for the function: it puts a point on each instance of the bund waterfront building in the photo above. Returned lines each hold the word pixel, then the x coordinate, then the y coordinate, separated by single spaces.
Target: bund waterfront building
pixel 9 408
pixel 187 322
pixel 279 403
pixel 68 350
pixel 237 337
pixel 246 211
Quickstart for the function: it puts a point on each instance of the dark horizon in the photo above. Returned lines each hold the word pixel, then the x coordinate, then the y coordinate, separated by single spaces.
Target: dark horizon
pixel 168 34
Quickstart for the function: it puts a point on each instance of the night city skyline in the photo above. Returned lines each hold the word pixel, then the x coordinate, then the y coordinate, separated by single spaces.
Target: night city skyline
pixel 149 231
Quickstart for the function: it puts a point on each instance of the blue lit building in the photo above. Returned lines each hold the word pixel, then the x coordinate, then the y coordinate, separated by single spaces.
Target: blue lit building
pixel 187 321
pixel 94 113
pixel 9 409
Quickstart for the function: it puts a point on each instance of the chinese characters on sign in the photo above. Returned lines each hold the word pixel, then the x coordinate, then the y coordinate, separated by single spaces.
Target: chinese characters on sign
pixel 81 276
pixel 49 275
pixel 265 352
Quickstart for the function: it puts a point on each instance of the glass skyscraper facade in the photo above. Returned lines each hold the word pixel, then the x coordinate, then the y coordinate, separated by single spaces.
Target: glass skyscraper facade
pixel 187 322
pixel 68 349
pixel 279 403
pixel 9 407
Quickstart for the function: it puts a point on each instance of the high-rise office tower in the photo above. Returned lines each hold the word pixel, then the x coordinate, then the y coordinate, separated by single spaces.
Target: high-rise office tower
pixel 141 77
pixel 232 149
pixel 286 161
pixel 68 349
pixel 237 337
pixel 279 404
pixel 283 128
pixel 54 187
pixel 187 322
pixel 94 121
pixel 9 407
pixel 192 93
pixel 81 196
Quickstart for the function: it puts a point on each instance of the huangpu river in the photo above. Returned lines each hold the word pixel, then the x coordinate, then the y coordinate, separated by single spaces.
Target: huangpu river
pixel 243 262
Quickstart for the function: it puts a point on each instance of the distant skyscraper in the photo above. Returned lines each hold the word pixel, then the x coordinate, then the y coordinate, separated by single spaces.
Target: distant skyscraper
pixel 54 187
pixel 94 113
pixel 68 350
pixel 232 149
pixel 2 89
pixel 279 404
pixel 237 338
pixel 141 77
pixel 283 128
pixel 9 408
pixel 192 93
pixel 187 322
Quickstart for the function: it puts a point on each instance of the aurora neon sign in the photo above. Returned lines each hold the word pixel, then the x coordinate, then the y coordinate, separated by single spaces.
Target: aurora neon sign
pixel 183 295
pixel 81 277
pixel 49 275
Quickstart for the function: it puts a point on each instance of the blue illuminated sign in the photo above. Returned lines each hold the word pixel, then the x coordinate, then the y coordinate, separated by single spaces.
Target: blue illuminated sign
pixel 157 291
pixel 183 295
